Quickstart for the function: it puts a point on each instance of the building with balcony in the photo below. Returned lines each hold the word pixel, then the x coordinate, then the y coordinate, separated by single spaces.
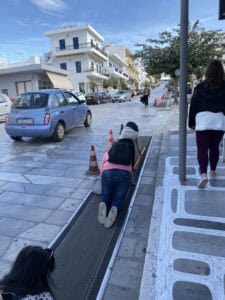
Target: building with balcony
pixel 115 64
pixel 125 66
pixel 78 49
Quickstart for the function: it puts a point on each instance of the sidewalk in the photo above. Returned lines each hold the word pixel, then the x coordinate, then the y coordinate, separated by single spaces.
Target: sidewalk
pixel 185 256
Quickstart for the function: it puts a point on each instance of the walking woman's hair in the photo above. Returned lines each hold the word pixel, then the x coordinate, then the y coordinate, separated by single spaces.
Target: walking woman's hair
pixel 214 74
pixel 30 272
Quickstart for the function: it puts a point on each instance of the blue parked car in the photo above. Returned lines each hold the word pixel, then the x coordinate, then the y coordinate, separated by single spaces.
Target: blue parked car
pixel 46 113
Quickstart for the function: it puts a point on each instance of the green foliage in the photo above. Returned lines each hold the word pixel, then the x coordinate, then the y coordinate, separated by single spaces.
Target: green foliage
pixel 105 83
pixel 123 85
pixel 113 82
pixel 163 54
pixel 92 86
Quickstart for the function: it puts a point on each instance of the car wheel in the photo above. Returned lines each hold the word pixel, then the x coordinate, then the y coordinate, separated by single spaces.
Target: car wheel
pixel 16 138
pixel 59 132
pixel 88 120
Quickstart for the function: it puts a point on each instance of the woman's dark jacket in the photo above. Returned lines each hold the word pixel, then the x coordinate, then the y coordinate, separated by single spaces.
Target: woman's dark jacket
pixel 206 100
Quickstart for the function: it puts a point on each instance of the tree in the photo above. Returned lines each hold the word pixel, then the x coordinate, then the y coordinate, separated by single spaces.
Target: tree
pixel 163 54
pixel 123 84
pixel 105 83
pixel 113 82
pixel 92 86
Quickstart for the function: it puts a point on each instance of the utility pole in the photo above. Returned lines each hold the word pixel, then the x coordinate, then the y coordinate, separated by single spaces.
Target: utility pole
pixel 183 89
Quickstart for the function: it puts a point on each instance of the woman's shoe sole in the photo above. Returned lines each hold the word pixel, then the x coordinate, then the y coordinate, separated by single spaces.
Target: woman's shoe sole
pixel 203 182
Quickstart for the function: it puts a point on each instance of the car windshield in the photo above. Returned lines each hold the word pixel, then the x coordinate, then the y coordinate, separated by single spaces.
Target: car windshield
pixel 31 101
pixel 120 92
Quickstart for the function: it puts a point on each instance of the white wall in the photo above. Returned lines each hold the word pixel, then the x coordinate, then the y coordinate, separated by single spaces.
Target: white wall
pixel 9 82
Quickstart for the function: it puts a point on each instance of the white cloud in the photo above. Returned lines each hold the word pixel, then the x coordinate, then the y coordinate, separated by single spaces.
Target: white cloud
pixel 50 5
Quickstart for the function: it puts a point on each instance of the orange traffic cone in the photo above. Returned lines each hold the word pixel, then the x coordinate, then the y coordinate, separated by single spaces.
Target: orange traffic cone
pixel 110 140
pixel 93 165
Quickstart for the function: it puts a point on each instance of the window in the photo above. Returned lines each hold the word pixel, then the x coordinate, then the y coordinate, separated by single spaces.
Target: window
pixel 23 87
pixel 70 98
pixel 62 44
pixel 63 66
pixel 97 68
pixel 75 43
pixel 78 66
pixel 110 64
pixel 5 92
pixel 31 101
pixel 60 100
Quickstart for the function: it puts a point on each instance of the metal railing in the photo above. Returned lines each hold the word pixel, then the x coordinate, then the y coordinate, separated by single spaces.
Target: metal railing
pixel 102 72
pixel 81 46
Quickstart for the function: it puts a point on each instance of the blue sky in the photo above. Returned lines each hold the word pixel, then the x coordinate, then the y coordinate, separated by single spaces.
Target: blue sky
pixel 23 22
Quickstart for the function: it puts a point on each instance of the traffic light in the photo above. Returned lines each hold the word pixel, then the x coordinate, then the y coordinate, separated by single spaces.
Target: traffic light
pixel 222 10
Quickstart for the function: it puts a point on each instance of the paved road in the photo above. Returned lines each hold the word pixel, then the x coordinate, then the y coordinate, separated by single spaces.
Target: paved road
pixel 43 183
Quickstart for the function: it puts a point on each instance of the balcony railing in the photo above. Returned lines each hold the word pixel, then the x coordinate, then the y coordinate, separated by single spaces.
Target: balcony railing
pixel 102 72
pixel 81 46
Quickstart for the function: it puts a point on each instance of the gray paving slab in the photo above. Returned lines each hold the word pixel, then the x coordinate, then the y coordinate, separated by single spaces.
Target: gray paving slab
pixel 174 199
pixel 199 243
pixel 116 292
pixel 11 227
pixel 129 276
pixel 191 290
pixel 35 233
pixel 7 176
pixel 59 217
pixel 5 242
pixel 31 200
pixel 17 244
pixel 205 203
pixel 23 212
pixel 191 266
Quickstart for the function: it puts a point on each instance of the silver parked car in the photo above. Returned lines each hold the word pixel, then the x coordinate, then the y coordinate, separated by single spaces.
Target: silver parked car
pixel 121 96
pixel 5 105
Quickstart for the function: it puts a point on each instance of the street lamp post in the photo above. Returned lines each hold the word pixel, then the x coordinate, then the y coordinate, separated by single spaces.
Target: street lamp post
pixel 183 89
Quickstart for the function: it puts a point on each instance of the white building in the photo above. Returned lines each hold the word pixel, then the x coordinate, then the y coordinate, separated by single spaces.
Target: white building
pixel 142 75
pixel 116 63
pixel 78 49
pixel 18 78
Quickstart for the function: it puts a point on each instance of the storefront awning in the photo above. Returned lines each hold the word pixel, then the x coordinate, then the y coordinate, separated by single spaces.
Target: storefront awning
pixel 59 81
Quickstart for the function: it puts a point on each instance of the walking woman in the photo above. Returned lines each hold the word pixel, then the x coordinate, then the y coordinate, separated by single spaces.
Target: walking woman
pixel 146 94
pixel 28 278
pixel 206 117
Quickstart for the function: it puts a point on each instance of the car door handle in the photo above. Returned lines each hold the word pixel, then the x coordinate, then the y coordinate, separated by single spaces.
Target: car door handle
pixel 62 111
pixel 74 108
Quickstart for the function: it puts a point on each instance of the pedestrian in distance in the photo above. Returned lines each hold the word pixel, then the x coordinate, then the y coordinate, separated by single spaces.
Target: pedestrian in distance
pixel 116 171
pixel 130 135
pixel 29 276
pixel 206 117
pixel 146 94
